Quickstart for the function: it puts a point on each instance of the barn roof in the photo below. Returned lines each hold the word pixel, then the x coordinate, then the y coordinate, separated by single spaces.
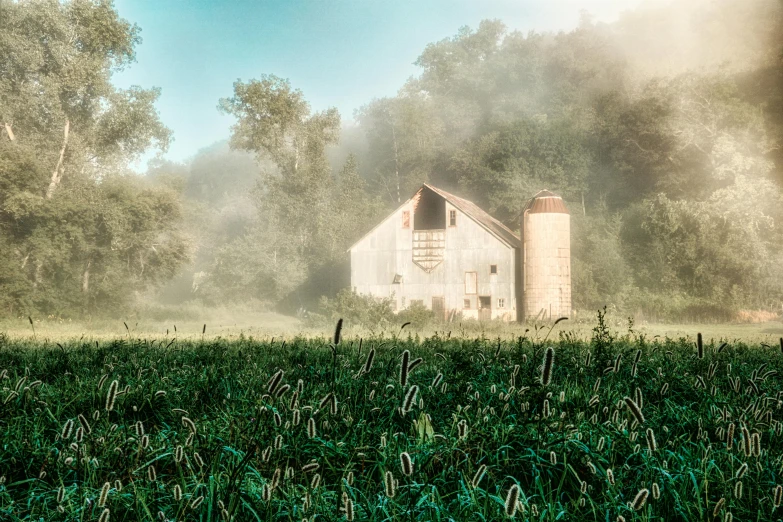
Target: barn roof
pixel 470 209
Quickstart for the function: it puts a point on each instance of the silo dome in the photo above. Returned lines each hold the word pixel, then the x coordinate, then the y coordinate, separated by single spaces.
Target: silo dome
pixel 546 258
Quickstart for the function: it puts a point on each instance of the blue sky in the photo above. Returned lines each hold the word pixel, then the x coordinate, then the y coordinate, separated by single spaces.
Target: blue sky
pixel 337 52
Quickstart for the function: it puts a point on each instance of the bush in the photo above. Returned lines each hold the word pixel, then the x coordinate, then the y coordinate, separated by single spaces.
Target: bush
pixel 417 314
pixel 355 309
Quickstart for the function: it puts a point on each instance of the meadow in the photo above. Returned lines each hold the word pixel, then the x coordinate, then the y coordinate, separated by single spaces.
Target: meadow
pixel 396 427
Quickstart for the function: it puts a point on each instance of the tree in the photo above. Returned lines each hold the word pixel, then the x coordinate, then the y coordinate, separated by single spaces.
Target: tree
pixel 303 207
pixel 82 238
pixel 665 169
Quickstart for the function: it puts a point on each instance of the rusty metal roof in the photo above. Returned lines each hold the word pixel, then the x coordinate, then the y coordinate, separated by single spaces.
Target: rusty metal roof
pixel 470 209
pixel 545 202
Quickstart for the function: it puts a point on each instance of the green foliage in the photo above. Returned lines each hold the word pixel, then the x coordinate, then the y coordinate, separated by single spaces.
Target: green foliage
pixel 672 177
pixel 356 309
pixel 670 165
pixel 80 235
pixel 303 224
pixel 417 314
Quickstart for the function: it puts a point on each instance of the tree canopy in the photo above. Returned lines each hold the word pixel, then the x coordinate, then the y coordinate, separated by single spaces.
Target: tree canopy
pixel 80 235
pixel 667 149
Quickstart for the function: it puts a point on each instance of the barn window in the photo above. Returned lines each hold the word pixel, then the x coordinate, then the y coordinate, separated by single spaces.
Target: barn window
pixel 501 302
pixel 397 279
pixel 452 218
pixel 493 269
pixel 466 304
pixel 471 283
pixel 406 219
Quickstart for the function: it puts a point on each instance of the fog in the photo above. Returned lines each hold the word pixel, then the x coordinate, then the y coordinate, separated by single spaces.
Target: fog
pixel 661 130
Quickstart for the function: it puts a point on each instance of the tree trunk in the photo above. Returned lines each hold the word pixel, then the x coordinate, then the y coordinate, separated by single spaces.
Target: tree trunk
pixel 57 174
pixel 86 278
pixel 10 131
pixel 37 274
pixel 396 163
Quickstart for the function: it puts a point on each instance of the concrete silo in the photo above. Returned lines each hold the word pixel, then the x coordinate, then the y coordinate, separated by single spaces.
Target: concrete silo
pixel 545 267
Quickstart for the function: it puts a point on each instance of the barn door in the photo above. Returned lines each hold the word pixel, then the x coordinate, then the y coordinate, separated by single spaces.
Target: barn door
pixel 439 308
pixel 485 308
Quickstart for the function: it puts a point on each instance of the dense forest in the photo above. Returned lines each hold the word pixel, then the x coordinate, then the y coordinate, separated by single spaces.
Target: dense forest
pixel 663 131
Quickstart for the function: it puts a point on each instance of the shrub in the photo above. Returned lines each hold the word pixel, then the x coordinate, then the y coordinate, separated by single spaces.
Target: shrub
pixel 359 310
pixel 417 314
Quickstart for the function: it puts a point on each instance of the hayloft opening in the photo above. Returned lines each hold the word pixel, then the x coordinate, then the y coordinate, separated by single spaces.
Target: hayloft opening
pixel 430 212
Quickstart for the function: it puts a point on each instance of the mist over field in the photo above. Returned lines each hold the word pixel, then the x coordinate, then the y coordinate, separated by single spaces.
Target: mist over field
pixel 185 330
pixel 662 131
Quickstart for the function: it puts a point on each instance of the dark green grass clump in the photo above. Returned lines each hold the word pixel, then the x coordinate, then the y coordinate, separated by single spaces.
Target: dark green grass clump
pixel 338 430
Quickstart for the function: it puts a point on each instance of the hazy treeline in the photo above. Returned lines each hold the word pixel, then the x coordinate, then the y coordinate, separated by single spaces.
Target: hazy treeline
pixel 662 131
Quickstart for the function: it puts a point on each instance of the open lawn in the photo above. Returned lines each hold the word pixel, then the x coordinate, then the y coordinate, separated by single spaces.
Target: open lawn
pixel 234 323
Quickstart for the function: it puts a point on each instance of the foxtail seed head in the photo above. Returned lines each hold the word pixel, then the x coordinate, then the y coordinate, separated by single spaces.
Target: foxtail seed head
pixel 478 476
pixel 274 382
pixel 640 499
pixel 388 481
pixel 546 371
pixel 512 497
pixel 652 445
pixel 730 436
pixel 406 464
pixel 111 396
pixel 368 363
pixel 104 494
pixel 755 444
pixel 348 506
pixel 406 356
pixel 635 410
pixel 746 442
pixel 410 397
pixel 187 422
pixel 84 423
pixel 67 430
pixel 337 331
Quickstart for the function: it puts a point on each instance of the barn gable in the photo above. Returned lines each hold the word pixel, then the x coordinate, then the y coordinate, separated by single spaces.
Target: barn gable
pixel 468 208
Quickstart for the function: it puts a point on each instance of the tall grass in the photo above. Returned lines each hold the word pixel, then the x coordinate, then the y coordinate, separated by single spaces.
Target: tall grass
pixel 209 430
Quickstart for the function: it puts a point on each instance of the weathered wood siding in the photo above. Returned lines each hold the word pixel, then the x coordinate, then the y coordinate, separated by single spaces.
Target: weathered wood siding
pixel 387 251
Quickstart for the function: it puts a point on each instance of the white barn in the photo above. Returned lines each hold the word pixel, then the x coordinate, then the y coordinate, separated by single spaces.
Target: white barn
pixel 444 252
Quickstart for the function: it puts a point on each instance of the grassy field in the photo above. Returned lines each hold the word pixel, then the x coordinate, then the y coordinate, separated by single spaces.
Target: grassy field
pixel 388 429
pixel 233 324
